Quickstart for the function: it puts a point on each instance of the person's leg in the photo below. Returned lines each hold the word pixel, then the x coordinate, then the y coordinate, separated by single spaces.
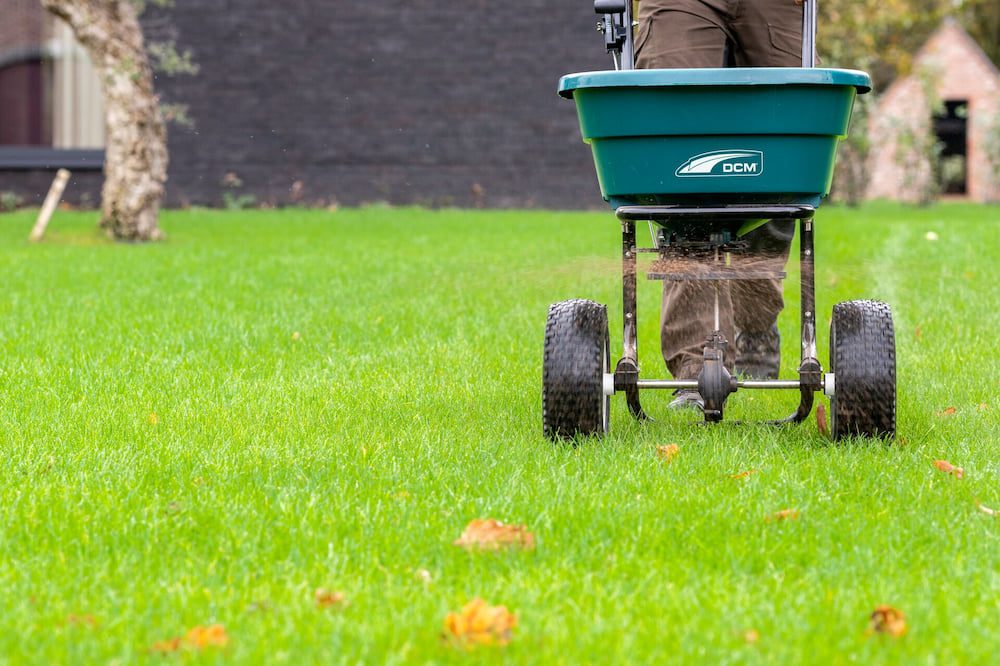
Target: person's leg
pixel 686 320
pixel 767 33
pixel 757 303
pixel 675 34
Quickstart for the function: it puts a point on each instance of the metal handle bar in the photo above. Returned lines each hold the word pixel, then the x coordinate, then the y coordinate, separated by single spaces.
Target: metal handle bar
pixel 809 33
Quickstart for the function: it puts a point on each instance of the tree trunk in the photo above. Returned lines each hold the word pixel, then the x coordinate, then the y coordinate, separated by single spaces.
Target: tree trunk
pixel 135 167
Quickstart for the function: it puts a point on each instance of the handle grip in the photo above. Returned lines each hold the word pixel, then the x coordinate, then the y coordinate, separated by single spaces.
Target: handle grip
pixel 610 6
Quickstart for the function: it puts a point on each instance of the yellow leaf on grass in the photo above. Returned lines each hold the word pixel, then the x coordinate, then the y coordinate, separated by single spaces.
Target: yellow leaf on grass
pixel 153 418
pixel 744 474
pixel 328 598
pixel 751 636
pixel 489 534
pixel 888 620
pixel 85 620
pixel 478 623
pixel 784 514
pixel 211 636
pixel 167 646
pixel 948 468
pixel 197 638
pixel 668 452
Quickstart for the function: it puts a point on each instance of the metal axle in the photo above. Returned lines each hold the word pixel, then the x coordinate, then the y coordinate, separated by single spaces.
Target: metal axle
pixel 789 384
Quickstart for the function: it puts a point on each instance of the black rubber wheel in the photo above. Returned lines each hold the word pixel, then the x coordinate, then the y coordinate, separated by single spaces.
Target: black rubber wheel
pixel 863 363
pixel 576 357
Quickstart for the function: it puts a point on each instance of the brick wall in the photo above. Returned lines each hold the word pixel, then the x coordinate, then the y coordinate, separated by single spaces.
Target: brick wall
pixel 20 26
pixel 405 101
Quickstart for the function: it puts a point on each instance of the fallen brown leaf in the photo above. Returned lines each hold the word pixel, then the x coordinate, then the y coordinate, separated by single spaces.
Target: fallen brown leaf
pixel 917 333
pixel 947 411
pixel 888 620
pixel 985 509
pixel 821 421
pixel 328 598
pixel 744 474
pixel 668 452
pixel 478 623
pixel 489 534
pixel 751 636
pixel 85 620
pixel 211 636
pixel 167 646
pixel 948 468
pixel 197 638
pixel 784 514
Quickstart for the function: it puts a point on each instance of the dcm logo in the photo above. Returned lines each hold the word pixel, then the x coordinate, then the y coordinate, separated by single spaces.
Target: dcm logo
pixel 724 163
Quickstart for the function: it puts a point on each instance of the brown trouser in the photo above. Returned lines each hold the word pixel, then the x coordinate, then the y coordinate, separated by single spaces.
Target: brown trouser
pixel 694 33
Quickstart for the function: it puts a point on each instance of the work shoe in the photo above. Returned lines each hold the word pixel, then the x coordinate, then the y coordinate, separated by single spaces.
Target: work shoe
pixel 687 399
pixel 758 355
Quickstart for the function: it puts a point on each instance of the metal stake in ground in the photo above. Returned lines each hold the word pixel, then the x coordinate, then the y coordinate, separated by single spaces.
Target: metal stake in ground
pixel 49 207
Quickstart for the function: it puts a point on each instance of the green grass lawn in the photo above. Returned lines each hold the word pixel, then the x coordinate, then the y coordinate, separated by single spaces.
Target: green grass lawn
pixel 210 429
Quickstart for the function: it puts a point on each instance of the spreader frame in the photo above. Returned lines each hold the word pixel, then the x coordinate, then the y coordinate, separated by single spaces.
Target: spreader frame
pixel 626 374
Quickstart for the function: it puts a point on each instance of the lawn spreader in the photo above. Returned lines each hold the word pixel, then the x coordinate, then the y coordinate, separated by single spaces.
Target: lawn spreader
pixel 705 156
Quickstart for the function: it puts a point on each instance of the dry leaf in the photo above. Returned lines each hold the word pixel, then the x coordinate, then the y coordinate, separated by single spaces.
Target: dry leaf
pixel 153 418
pixel 668 452
pixel 328 598
pixel 82 620
pixel 784 514
pixel 478 623
pixel 751 636
pixel 948 468
pixel 888 620
pixel 167 646
pixel 198 638
pixel 985 509
pixel 744 474
pixel 211 636
pixel 947 412
pixel 489 534
pixel 918 333
pixel 821 421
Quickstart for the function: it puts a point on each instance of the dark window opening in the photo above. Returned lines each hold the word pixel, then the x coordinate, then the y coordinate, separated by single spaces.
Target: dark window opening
pixel 25 117
pixel 951 128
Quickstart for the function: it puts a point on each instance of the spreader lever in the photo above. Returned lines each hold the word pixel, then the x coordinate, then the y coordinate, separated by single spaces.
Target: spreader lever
pixel 615 24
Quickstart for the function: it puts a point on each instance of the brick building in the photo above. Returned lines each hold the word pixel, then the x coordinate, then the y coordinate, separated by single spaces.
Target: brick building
pixel 957 72
pixel 406 101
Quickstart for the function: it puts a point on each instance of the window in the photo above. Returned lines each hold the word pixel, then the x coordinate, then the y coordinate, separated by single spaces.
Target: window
pixel 51 110
pixel 951 128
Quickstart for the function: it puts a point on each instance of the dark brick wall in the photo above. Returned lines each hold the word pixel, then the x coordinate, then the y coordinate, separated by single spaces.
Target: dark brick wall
pixel 405 101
